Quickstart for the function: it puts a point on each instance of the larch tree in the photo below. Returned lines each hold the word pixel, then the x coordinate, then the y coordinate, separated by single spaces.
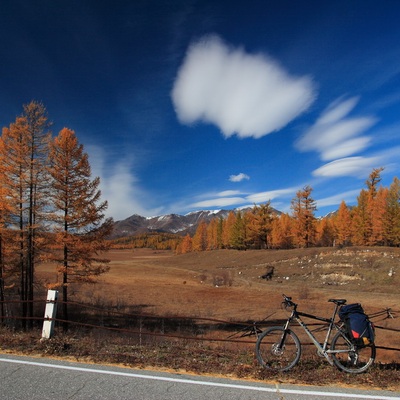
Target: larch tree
pixel 227 228
pixel 199 241
pixel 185 246
pixel 375 206
pixel 24 153
pixel 260 225
pixel 343 225
pixel 281 233
pixel 325 232
pixel 368 214
pixel 38 136
pixel 392 214
pixel 6 242
pixel 378 217
pixel 303 207
pixel 361 219
pixel 212 234
pixel 78 218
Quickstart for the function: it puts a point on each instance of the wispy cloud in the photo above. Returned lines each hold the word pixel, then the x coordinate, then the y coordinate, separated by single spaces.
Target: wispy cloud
pixel 271 195
pixel 119 186
pixel 219 202
pixel 226 193
pixel 238 178
pixel 349 197
pixel 358 167
pixel 249 95
pixel 231 198
pixel 335 134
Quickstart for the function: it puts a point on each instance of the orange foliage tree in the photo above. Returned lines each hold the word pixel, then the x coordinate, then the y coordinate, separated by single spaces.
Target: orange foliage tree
pixel 303 207
pixel 24 151
pixel 78 214
pixel 392 214
pixel 199 241
pixel 259 222
pixel 282 232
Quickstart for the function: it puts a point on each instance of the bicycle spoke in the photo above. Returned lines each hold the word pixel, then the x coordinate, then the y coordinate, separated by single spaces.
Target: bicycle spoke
pixel 275 354
pixel 351 358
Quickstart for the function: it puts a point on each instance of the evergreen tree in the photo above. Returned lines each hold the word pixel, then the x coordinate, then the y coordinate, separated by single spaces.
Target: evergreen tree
pixel 237 238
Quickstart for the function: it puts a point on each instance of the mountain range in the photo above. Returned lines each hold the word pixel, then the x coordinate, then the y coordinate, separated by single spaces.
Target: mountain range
pixel 173 223
pixel 170 223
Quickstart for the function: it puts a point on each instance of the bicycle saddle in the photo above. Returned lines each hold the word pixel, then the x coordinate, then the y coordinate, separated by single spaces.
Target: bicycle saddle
pixel 339 302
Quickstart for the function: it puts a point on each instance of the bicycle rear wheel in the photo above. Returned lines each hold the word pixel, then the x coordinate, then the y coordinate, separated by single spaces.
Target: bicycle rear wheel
pixel 278 349
pixel 351 358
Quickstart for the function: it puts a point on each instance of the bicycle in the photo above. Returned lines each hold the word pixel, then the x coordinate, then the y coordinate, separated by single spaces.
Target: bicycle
pixel 279 348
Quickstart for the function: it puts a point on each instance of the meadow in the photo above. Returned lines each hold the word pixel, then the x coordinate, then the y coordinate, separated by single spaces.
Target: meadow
pixel 223 285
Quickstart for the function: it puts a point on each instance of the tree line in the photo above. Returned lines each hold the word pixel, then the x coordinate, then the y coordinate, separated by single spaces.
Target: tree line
pixel 373 221
pixel 50 210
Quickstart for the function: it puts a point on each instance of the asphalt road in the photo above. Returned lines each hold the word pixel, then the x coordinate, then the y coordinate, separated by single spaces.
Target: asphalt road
pixel 42 378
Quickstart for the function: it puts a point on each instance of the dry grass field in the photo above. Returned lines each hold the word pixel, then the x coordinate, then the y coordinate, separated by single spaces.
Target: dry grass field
pixel 226 284
pixel 220 285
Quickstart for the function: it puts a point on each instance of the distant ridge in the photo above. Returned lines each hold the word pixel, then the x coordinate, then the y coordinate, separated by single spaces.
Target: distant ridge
pixel 175 223
pixel 170 223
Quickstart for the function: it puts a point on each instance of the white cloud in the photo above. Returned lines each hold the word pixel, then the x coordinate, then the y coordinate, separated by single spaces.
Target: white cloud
pixel 262 197
pixel 118 186
pixel 334 135
pixel 358 167
pixel 238 178
pixel 227 193
pixel 348 197
pixel 249 95
pixel 230 198
pixel 219 202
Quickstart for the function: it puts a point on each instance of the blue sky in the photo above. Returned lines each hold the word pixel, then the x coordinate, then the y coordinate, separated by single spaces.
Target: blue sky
pixel 188 105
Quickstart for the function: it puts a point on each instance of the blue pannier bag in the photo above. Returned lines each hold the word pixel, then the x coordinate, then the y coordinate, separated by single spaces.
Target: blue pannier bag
pixel 359 327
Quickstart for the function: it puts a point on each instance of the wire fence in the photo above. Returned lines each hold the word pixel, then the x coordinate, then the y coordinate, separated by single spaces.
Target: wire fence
pixel 169 327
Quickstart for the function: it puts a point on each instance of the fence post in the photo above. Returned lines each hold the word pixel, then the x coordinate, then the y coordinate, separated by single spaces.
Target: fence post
pixel 49 314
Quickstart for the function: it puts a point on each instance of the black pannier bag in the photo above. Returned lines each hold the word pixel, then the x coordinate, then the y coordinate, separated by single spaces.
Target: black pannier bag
pixel 358 325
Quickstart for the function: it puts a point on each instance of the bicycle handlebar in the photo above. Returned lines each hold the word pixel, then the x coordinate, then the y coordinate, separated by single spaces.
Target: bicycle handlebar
pixel 287 301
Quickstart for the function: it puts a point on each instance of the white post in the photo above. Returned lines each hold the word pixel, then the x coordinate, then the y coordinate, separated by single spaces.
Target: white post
pixel 49 314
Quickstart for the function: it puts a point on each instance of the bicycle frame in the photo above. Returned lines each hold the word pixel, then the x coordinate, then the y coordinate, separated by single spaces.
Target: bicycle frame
pixel 322 349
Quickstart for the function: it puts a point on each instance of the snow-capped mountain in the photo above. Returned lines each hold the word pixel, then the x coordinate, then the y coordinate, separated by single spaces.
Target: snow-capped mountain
pixel 171 223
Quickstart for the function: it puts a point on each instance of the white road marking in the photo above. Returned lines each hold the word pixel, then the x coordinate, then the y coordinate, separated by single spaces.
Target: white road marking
pixel 204 383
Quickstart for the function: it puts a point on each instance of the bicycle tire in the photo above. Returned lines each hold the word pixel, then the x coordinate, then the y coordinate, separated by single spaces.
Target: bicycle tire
pixel 275 357
pixel 352 359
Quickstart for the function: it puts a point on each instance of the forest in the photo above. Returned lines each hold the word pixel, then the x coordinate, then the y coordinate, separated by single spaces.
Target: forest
pixel 50 210
pixel 373 221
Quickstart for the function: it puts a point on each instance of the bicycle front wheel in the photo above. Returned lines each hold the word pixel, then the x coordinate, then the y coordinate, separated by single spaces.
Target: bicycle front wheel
pixel 351 358
pixel 278 349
